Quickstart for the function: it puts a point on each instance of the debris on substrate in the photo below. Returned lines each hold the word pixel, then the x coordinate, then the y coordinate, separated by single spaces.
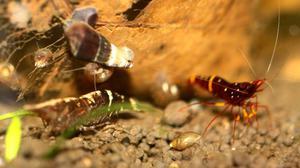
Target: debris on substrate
pixel 142 140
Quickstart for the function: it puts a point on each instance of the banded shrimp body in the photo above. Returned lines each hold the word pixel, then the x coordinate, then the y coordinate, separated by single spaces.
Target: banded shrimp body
pixel 242 96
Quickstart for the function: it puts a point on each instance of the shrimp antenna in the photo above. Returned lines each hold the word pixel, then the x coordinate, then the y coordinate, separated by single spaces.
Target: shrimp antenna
pixel 246 59
pixel 60 19
pixel 276 40
pixel 73 70
pixel 271 87
pixel 37 44
pixel 95 82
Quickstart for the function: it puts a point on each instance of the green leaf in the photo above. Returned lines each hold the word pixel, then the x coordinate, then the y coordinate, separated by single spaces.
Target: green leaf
pixel 13 139
pixel 138 105
pixel 18 113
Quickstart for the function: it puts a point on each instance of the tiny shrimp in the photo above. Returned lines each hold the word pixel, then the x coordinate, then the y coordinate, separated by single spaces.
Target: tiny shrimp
pixel 233 94
pixel 236 94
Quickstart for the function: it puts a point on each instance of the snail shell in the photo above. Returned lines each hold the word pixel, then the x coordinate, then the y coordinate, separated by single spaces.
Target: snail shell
pixel 87 44
pixel 88 15
pixel 185 140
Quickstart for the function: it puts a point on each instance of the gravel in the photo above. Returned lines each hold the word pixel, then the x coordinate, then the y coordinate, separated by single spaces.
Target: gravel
pixel 145 142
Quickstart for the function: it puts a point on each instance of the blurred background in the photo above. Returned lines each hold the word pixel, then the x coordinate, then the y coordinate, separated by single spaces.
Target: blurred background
pixel 172 40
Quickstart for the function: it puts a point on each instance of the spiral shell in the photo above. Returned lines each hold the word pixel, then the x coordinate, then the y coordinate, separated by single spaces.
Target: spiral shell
pixel 87 44
pixel 88 15
pixel 185 140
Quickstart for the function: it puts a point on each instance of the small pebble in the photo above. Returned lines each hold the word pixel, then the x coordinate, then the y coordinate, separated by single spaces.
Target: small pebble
pixel 113 147
pixel 144 147
pixel 87 162
pixel 122 165
pixel 263 131
pixel 215 159
pixel 272 163
pixel 145 132
pixel 260 140
pixel 160 132
pixel 158 164
pixel 288 141
pixel 236 145
pixel 174 165
pixel 224 147
pixel 257 146
pixel 135 130
pixel 175 114
pixel 240 159
pixel 70 156
pixel 274 134
pixel 90 145
pixel 246 141
pixel 161 143
pixel 187 153
pixel 259 161
pixel 134 152
pixel 114 158
pixel 175 155
pixel 147 165
pixel 171 135
pixel 137 163
pixel 33 148
pixel 135 139
pixel 154 151
pixel 150 139
pixel 125 140
pixel 139 153
pixel 196 162
pixel 145 158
